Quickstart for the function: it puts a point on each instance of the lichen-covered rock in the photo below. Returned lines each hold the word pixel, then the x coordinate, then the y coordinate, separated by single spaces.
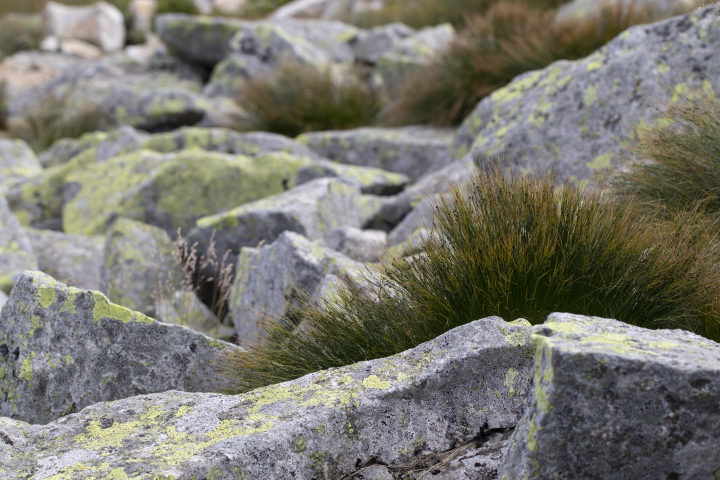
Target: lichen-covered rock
pixel 139 266
pixel 310 209
pixel 231 73
pixel 72 259
pixel 413 151
pixel 360 245
pixel 62 349
pixel 16 252
pixel 324 425
pixel 615 401
pixel 583 9
pixel 572 116
pixel 185 308
pixel 17 163
pixel 379 40
pixel 274 279
pixel 411 53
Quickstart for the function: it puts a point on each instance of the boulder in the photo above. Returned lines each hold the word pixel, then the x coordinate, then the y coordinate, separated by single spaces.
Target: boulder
pixel 231 73
pixel 616 401
pixel 329 424
pixel 16 252
pixel 583 9
pixel 72 259
pixel 360 245
pixel 379 40
pixel 141 14
pixel 62 349
pixel 28 69
pixel 140 266
pixel 310 209
pixel 101 24
pixel 185 308
pixel 413 151
pixel 17 163
pixel 411 53
pixel 572 116
pixel 275 279
pixel 327 9
pixel 3 300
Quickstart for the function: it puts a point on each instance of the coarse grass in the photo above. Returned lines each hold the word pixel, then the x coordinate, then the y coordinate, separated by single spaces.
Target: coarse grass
pixel 673 163
pixel 512 246
pixel 510 39
pixel 255 9
pixel 295 99
pixel 19 32
pixel 424 13
pixel 177 6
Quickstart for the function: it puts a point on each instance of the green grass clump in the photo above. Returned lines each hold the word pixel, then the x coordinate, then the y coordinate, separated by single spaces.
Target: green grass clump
pixel 675 162
pixel 177 6
pixel 510 39
pixel 513 247
pixel 296 99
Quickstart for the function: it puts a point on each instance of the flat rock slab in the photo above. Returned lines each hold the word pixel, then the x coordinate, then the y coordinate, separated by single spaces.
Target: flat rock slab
pixel 325 425
pixel 572 116
pixel 614 401
pixel 62 349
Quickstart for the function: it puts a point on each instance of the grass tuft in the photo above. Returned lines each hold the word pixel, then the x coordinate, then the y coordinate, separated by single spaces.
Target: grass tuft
pixel 296 99
pixel 508 246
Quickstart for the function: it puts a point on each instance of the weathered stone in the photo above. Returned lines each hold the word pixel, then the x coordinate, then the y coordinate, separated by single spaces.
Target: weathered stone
pixel 572 116
pixel 26 70
pixel 326 9
pixel 80 48
pixel 413 151
pixel 139 266
pixel 324 425
pixel 310 209
pixel 274 279
pixel 616 401
pixel 379 40
pixel 71 259
pixel 101 24
pixel 3 299
pixel 16 253
pixel 62 349
pixel 230 75
pixel 17 163
pixel 411 53
pixel 185 308
pixel 141 14
pixel 583 9
pixel 360 245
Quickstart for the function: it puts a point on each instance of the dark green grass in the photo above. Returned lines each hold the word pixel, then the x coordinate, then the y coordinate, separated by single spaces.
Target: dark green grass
pixel 675 162
pixel 296 99
pixel 513 247
pixel 508 40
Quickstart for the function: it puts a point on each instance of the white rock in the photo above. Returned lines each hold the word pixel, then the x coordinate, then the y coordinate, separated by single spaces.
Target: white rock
pixel 101 24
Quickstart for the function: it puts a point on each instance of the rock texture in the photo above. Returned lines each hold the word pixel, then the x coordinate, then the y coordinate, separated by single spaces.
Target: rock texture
pixel 581 9
pixel 16 252
pixel 360 245
pixel 17 163
pixel 62 349
pixel 324 425
pixel 101 24
pixel 614 401
pixel 572 116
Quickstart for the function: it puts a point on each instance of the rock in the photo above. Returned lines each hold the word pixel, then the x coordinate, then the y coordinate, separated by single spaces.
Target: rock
pixel 324 425
pixel 84 350
pixel 413 151
pixel 26 70
pixel 140 266
pixel 411 53
pixel 327 9
pixel 3 300
pixel 16 252
pixel 583 9
pixel 381 39
pixel 420 217
pixel 230 74
pixel 310 209
pixel 17 163
pixel 616 401
pixel 276 278
pixel 572 115
pixel 80 49
pixel 184 308
pixel 360 245
pixel 141 14
pixel 72 259
pixel 101 24
pixel 229 6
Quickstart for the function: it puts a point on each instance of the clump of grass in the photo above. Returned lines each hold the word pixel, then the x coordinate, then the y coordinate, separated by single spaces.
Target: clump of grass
pixel 510 39
pixel 177 6
pixel 254 9
pixel 296 99
pixel 675 162
pixel 512 246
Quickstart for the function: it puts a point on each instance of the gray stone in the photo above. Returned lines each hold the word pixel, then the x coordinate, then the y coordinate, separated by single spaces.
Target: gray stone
pixel 379 40
pixel 16 252
pixel 326 9
pixel 3 299
pixel 62 349
pixel 277 278
pixel 584 9
pixel 230 75
pixel 615 401
pixel 324 425
pixel 412 53
pixel 310 209
pixel 360 245
pixel 17 163
pixel 140 266
pixel 413 151
pixel 572 116
pixel 185 308
pixel 420 217
pixel 71 259
pixel 101 24
pixel 29 69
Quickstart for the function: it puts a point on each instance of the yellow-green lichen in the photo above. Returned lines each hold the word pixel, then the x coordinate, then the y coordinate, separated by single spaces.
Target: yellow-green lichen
pixel 601 162
pixel 46 297
pixel 104 309
pixel 532 431
pixel 510 377
pixel 374 382
pixel 26 369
